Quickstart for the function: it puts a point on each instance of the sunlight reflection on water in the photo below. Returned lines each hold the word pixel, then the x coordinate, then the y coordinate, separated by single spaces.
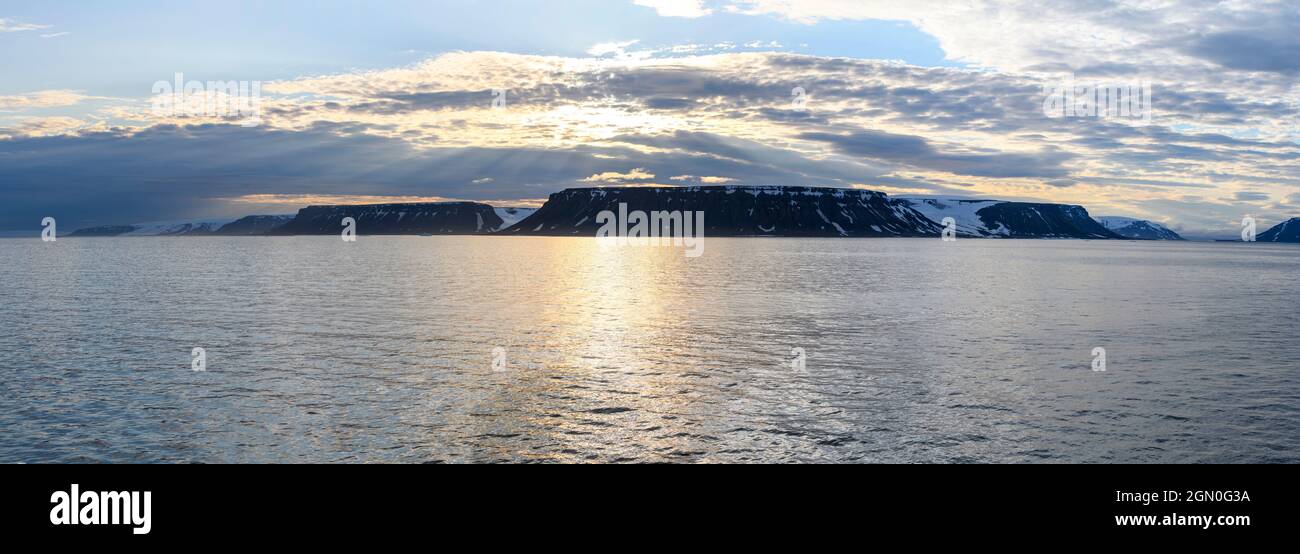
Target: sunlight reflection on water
pixel 381 350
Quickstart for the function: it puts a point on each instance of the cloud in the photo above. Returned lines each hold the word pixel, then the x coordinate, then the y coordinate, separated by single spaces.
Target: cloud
pixel 708 180
pixel 1254 50
pixel 1288 207
pixel 11 26
pixel 165 172
pixel 638 174
pixel 917 152
pixel 616 49
pixel 1161 40
pixel 1251 196
pixel 430 130
pixel 43 99
pixel 55 35
pixel 43 126
pixel 1196 217
pixel 298 200
pixel 676 8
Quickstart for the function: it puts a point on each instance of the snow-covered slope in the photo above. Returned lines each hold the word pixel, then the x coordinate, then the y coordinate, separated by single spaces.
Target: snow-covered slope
pixel 511 216
pixel 964 211
pixel 172 228
pixel 1138 229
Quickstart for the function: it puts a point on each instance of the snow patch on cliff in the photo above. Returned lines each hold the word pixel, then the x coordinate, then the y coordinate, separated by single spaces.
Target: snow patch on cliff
pixel 963 211
pixel 511 216
pixel 167 228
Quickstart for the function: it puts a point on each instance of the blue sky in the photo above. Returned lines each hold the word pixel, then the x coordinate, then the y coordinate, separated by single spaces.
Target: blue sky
pixel 113 47
pixel 392 101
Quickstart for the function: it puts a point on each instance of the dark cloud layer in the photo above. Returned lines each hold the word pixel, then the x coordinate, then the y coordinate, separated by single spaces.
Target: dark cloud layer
pixel 171 172
pixel 917 152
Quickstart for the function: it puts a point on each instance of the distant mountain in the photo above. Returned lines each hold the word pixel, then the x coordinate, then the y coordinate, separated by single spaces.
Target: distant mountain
pixel 444 218
pixel 192 228
pixel 164 229
pixel 737 211
pixel 104 231
pixel 997 219
pixel 385 219
pixel 1138 229
pixel 1286 232
pixel 732 210
pixel 254 225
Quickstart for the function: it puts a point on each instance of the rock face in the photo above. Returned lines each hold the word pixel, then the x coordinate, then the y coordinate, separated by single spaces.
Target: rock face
pixel 253 225
pixel 1024 220
pixel 1138 229
pixel 738 211
pixel 1286 232
pixel 814 212
pixel 1015 220
pixel 444 218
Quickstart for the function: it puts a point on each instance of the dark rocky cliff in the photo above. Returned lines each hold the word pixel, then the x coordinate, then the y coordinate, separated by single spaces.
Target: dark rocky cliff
pixel 737 211
pixel 445 218
pixel 813 212
pixel 1028 220
pixel 253 225
pixel 1286 232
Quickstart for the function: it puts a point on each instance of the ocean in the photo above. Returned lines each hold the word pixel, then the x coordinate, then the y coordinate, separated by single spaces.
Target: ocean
pixel 513 349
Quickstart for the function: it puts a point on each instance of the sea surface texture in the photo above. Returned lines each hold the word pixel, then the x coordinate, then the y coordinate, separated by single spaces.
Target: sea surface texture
pixel 487 349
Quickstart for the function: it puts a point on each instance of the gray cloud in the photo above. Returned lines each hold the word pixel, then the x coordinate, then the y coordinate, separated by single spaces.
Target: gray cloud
pixel 1275 49
pixel 915 151
pixel 1249 196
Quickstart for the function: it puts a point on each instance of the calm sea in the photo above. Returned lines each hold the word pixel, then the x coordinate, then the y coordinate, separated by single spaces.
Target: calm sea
pixel 484 349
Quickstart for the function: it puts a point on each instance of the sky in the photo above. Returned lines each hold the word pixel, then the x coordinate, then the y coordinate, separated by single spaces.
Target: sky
pixel 509 101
